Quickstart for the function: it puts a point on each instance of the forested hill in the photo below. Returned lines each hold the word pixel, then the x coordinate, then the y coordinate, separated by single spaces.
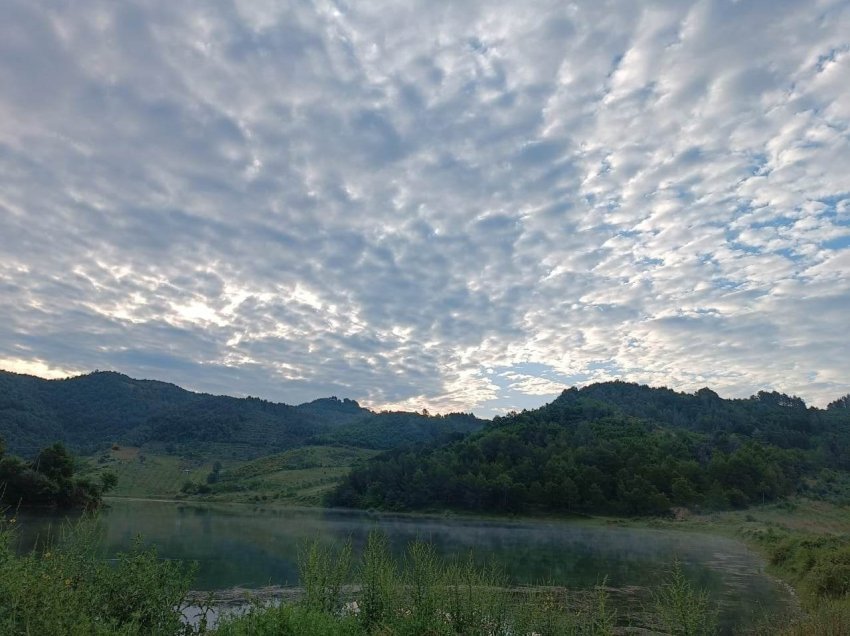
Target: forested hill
pixel 396 429
pixel 618 448
pixel 770 417
pixel 90 411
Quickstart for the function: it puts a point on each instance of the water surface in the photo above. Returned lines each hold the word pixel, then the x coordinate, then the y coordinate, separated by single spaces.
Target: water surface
pixel 236 545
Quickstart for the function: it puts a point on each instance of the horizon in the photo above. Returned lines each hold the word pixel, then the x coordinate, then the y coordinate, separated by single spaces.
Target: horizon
pixel 462 209
pixel 414 410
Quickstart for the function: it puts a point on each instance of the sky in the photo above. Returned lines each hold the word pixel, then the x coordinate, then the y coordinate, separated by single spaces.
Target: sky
pixel 456 206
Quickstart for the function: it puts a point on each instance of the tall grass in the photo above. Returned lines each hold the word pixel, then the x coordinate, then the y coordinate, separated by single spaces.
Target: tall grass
pixel 323 570
pixel 683 610
pixel 419 594
pixel 379 592
pixel 829 618
pixel 69 588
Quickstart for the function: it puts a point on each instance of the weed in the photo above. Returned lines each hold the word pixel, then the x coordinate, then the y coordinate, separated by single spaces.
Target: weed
pixel 683 610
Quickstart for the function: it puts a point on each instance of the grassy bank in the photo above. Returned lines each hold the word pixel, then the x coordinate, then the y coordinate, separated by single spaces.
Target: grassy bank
pixel 805 543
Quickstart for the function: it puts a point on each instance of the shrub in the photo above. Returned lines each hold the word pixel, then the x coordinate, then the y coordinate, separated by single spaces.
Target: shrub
pixel 70 589
pixel 683 610
pixel 323 570
pixel 379 593
pixel 288 620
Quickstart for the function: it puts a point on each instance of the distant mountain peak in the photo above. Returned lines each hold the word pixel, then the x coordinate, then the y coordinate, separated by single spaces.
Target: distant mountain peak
pixel 334 402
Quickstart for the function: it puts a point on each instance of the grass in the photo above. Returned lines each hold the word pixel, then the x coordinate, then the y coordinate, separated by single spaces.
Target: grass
pixel 305 457
pixel 806 543
pixel 69 589
pixel 300 476
pixel 419 594
pixel 141 474
pixel 681 608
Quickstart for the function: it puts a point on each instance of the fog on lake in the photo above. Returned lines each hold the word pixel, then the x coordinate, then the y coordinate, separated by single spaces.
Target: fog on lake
pixel 245 546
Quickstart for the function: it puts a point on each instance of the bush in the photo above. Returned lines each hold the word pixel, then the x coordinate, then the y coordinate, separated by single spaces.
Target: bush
pixel 683 610
pixel 379 593
pixel 323 570
pixel 70 589
pixel 830 577
pixel 288 620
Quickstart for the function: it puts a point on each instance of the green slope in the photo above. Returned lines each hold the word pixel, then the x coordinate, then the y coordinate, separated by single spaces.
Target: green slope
pixel 90 412
pixel 618 448
pixel 396 429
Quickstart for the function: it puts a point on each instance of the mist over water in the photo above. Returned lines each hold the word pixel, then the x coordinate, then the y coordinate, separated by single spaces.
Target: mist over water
pixel 244 546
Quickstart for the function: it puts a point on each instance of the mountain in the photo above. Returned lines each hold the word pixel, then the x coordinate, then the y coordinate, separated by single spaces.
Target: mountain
pixel 334 411
pixel 394 429
pixel 619 448
pixel 769 416
pixel 92 411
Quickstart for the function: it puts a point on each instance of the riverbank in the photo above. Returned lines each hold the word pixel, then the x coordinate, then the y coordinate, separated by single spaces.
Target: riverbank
pixel 629 602
pixel 805 545
pixel 802 543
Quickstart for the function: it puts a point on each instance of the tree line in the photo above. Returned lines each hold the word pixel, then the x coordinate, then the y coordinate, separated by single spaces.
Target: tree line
pixel 615 449
pixel 49 480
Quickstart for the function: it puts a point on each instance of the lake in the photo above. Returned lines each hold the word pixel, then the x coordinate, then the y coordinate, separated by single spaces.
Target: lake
pixel 245 546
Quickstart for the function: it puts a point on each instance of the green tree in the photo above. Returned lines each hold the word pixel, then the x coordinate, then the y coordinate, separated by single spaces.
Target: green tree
pixel 55 462
pixel 683 492
pixel 108 481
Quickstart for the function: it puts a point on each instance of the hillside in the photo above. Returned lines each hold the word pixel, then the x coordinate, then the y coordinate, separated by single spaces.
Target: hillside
pixel 298 476
pixel 91 412
pixel 619 448
pixel 397 428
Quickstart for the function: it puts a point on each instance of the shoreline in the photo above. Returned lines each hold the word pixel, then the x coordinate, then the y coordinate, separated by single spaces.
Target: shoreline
pixel 728 524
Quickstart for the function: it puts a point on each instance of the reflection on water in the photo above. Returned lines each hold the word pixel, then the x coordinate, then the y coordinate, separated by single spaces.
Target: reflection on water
pixel 252 547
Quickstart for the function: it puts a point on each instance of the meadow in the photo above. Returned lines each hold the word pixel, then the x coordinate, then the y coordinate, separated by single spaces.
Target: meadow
pixel 301 476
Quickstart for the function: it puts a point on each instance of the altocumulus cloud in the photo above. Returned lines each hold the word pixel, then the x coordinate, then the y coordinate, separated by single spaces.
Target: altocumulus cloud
pixel 451 205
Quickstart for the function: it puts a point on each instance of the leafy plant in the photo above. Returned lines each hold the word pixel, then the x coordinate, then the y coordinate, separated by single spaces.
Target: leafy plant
pixel 682 609
pixel 323 570
pixel 69 588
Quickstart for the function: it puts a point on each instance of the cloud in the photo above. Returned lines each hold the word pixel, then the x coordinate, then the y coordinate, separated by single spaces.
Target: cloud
pixel 384 201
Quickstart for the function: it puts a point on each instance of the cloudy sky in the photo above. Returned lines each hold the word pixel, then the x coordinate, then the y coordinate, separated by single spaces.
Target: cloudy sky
pixel 461 206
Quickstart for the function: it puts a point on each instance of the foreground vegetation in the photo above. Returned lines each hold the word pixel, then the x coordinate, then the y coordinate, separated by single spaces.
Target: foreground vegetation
pixel 71 589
